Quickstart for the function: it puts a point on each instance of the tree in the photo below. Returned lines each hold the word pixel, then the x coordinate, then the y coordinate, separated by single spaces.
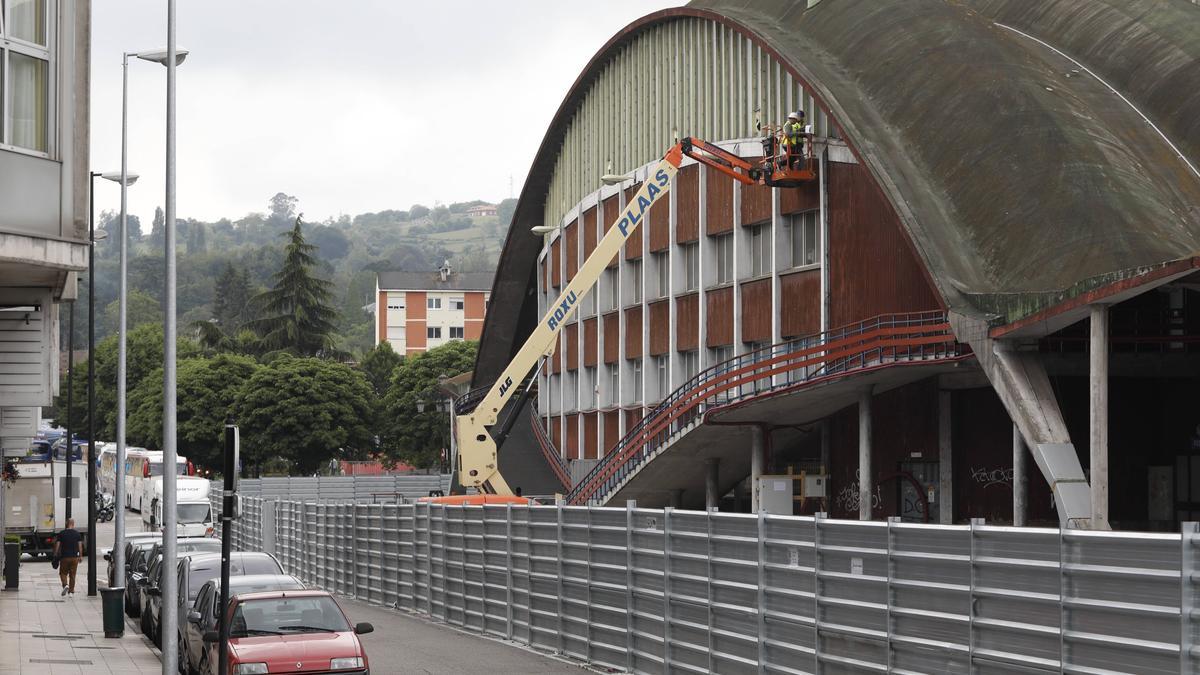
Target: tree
pixel 331 241
pixel 299 318
pixel 306 411
pixel 197 239
pixel 231 294
pixel 207 390
pixel 379 365
pixel 283 208
pixel 158 229
pixel 418 211
pixel 416 424
pixel 141 308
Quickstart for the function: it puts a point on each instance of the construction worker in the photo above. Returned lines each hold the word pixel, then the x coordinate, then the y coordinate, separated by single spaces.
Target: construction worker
pixel 793 137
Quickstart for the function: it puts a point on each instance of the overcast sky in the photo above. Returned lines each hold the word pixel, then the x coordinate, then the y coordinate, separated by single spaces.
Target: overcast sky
pixel 351 106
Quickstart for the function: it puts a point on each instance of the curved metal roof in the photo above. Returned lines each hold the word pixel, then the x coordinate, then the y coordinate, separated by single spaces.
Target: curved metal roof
pixel 1033 151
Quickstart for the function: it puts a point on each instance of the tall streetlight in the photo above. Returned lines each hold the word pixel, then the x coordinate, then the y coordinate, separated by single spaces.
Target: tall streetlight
pixel 91 388
pixel 170 614
pixel 125 179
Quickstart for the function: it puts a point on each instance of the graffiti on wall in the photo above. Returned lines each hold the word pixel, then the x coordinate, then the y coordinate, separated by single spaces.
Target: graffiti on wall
pixel 847 498
pixel 988 477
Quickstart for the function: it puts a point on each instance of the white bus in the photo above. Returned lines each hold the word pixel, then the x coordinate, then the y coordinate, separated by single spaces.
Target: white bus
pixel 140 467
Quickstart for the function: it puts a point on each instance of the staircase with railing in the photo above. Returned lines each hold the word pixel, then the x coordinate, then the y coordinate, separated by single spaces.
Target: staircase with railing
pixel 879 342
pixel 553 457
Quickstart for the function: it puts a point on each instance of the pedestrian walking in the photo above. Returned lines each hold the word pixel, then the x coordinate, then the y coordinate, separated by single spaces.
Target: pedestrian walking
pixel 68 551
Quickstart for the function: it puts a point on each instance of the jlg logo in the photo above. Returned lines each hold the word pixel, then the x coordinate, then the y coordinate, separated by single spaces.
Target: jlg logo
pixel 504 387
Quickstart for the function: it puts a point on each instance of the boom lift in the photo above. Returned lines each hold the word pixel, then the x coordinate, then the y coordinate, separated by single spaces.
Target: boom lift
pixel 477 458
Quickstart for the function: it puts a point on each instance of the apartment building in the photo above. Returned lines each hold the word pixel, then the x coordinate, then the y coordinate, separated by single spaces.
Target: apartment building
pixel 417 311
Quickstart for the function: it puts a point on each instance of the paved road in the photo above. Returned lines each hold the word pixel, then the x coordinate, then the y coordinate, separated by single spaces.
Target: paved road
pixel 405 644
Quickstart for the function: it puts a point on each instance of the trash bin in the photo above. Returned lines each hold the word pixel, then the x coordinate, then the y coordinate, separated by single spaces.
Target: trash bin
pixel 12 563
pixel 113 601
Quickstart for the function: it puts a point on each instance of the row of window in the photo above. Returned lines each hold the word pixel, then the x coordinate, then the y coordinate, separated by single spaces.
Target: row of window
pixel 802 246
pixel 435 332
pixel 430 303
pixel 25 74
pixel 689 363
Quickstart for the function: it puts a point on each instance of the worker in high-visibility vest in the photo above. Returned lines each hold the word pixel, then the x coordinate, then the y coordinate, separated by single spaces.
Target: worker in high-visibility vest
pixel 793 137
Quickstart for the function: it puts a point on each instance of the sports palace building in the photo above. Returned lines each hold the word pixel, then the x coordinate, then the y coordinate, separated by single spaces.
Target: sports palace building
pixel 985 306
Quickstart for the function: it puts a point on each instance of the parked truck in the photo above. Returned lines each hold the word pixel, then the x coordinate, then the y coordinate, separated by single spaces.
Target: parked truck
pixel 193 515
pixel 35 503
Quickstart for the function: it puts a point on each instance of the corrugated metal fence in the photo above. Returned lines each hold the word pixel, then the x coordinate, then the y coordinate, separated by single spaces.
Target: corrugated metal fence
pixel 343 488
pixel 654 591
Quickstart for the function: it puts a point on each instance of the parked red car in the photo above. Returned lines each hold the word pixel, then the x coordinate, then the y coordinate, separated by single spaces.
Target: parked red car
pixel 299 631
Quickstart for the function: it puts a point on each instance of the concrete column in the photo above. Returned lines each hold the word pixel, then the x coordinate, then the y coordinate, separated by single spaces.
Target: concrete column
pixel 1098 370
pixel 865 488
pixel 758 452
pixel 945 460
pixel 712 493
pixel 1020 478
pixel 677 498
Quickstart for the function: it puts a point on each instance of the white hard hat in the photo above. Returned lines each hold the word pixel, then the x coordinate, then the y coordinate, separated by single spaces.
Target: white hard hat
pixel 796 115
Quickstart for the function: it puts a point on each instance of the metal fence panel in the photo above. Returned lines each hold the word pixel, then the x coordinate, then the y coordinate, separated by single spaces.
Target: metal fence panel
pixel 657 591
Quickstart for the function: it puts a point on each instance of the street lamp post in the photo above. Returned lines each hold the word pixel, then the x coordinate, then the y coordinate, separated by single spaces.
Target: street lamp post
pixel 126 179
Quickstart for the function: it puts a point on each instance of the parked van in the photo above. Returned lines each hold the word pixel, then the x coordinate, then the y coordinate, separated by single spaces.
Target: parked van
pixel 193 515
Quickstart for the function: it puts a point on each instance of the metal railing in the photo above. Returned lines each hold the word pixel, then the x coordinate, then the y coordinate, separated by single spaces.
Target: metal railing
pixel 878 342
pixel 556 461
pixel 658 591
pixel 397 487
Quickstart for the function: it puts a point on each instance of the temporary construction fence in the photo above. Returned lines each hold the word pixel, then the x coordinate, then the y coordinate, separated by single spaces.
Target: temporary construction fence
pixel 344 488
pixel 658 591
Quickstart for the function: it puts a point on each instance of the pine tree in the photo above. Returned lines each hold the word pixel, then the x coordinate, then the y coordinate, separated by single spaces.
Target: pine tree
pixel 230 296
pixel 298 315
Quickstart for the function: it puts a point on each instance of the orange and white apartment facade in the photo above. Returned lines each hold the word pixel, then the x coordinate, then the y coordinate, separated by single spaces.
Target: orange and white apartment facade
pixel 417 311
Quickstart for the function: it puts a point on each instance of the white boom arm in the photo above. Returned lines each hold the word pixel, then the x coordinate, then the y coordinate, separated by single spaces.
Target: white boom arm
pixel 478 466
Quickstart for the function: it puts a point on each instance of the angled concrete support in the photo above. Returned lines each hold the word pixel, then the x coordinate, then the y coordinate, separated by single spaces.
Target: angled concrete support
pixel 1020 380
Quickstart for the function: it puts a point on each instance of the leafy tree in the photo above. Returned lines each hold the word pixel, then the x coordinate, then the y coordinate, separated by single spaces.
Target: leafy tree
pixel 299 316
pixel 79 408
pixel 283 208
pixel 207 390
pixel 332 242
pixel 416 423
pixel 144 354
pixel 306 411
pixel 158 229
pixel 379 365
pixel 141 308
pixel 197 239
pixel 418 211
pixel 505 210
pixel 231 294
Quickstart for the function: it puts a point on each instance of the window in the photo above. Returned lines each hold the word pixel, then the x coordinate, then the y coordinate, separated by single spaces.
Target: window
pixel 723 250
pixel 587 307
pixel 757 351
pixel 635 280
pixel 691 266
pixel 636 381
pixel 433 332
pixel 760 249
pixel 662 274
pixel 611 287
pixel 433 303
pixel 457 303
pixel 614 382
pixel 588 388
pixel 802 230
pixel 689 362
pixel 569 390
pixel 395 304
pixel 456 332
pixel 719 355
pixel 662 378
pixel 25 94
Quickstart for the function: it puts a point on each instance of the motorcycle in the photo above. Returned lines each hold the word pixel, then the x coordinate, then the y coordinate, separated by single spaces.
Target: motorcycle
pixel 105 507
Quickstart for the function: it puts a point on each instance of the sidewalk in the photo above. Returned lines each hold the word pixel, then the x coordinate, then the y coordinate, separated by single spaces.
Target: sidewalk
pixel 43 632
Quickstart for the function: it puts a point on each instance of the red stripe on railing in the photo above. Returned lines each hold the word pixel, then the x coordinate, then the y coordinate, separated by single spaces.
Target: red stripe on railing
pixel 893 340
pixel 554 459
